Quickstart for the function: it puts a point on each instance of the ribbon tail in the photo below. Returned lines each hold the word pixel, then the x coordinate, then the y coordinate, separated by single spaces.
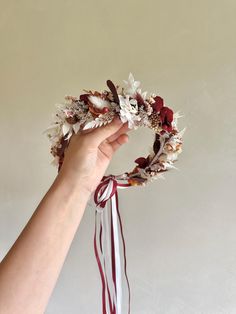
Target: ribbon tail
pixel 116 256
pixel 124 249
pixel 97 246
pixel 103 251
pixel 109 247
pixel 108 259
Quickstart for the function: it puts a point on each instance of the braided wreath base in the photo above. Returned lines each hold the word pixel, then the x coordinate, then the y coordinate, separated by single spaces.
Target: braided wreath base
pixel 93 109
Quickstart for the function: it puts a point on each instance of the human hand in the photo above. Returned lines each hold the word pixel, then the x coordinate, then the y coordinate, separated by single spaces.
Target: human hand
pixel 89 153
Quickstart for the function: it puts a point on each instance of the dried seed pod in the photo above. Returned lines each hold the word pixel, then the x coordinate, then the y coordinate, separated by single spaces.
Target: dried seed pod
pixel 154 121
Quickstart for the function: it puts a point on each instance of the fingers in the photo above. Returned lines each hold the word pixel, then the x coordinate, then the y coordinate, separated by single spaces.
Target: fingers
pixel 119 141
pixel 123 129
pixel 100 134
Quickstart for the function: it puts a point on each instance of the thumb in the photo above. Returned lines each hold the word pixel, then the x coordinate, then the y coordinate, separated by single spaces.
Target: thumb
pixel 99 134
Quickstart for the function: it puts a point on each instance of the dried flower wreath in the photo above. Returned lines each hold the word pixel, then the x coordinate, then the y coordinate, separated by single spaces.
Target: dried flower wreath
pixel 93 109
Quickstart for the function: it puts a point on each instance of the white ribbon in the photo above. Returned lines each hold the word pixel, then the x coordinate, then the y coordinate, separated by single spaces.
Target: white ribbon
pixel 117 255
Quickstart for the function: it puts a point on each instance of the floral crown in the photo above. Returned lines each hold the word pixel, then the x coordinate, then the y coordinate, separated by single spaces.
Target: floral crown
pixel 94 109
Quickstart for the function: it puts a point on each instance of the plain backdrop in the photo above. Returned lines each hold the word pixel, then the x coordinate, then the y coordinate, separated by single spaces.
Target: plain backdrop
pixel 180 232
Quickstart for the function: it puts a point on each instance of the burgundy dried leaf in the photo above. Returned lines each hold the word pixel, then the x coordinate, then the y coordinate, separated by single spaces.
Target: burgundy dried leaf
pixel 156 144
pixel 142 162
pixel 84 97
pixel 112 88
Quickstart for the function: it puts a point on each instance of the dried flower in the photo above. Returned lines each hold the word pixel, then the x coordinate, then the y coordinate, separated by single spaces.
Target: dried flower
pixel 142 162
pixel 131 85
pixel 158 104
pixel 98 102
pixel 166 116
pixel 128 110
pixel 154 119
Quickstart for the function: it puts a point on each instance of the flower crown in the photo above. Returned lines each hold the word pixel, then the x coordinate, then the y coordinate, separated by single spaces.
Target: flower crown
pixel 94 109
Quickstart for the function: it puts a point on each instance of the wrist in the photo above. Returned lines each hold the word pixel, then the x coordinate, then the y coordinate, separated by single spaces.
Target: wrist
pixel 72 186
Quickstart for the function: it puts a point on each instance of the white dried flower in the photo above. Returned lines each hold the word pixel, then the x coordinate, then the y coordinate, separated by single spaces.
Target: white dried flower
pixel 129 111
pixel 98 102
pixel 131 85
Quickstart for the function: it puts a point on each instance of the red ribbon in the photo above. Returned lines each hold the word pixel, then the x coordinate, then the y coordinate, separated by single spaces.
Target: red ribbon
pixel 106 190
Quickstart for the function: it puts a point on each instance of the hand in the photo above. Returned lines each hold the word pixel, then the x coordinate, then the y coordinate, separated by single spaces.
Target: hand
pixel 90 152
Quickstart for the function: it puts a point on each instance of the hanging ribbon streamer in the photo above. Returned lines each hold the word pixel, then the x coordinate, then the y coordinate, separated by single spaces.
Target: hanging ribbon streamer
pixel 109 246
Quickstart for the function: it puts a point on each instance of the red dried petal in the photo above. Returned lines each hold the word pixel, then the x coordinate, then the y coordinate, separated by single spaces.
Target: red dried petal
pixel 159 103
pixel 167 128
pixel 169 115
pixel 166 115
pixel 84 97
pixel 142 162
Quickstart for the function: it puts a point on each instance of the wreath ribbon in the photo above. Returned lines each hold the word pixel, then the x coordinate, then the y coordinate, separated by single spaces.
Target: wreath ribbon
pixel 109 245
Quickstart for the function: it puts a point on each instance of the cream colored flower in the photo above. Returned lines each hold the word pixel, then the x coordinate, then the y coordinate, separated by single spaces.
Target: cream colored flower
pixel 129 111
pixel 98 102
pixel 131 85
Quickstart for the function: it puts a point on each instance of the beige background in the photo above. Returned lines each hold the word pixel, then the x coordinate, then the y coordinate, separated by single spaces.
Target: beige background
pixel 180 232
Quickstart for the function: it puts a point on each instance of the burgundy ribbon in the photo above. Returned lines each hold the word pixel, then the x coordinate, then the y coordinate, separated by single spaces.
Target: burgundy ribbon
pixel 108 190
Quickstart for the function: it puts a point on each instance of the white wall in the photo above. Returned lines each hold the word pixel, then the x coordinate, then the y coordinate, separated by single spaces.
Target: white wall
pixel 180 232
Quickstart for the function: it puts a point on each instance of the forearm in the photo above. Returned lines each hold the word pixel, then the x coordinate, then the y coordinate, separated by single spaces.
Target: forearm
pixel 29 271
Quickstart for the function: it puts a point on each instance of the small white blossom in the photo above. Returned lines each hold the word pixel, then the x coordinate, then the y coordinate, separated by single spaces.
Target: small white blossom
pixel 129 111
pixel 76 127
pixel 98 102
pixel 131 85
